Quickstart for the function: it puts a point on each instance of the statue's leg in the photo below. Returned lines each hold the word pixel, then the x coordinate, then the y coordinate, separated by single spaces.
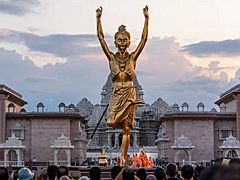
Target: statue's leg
pixel 125 139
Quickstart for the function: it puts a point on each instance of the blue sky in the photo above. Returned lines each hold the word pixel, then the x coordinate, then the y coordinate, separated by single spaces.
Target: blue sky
pixel 49 51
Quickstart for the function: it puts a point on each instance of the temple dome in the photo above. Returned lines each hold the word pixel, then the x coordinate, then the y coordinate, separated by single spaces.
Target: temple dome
pixel 185 104
pixel 62 104
pixel 200 105
pixel 40 104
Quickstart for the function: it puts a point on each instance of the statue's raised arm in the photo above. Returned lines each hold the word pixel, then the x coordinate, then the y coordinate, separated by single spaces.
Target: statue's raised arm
pixel 143 41
pixel 100 33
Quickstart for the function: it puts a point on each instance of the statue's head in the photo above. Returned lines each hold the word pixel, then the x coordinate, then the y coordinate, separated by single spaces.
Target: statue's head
pixel 122 38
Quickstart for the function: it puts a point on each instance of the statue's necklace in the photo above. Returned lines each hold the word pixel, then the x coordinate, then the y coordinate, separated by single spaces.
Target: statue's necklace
pixel 122 61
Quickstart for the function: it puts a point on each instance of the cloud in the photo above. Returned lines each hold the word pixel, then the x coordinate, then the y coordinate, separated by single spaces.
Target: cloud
pixel 229 47
pixel 162 58
pixel 162 71
pixel 235 80
pixel 62 45
pixel 165 72
pixel 18 8
pixel 54 48
pixel 51 84
pixel 194 86
pixel 197 89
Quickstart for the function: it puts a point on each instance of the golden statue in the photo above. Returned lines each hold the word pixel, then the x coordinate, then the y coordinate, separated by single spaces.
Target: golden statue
pixel 122 66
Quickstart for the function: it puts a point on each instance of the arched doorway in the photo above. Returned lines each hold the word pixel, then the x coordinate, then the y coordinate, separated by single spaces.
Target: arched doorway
pixel 181 144
pixel 62 157
pixel 230 147
pixel 232 154
pixel 183 156
pixel 13 151
pixel 62 146
pixel 12 155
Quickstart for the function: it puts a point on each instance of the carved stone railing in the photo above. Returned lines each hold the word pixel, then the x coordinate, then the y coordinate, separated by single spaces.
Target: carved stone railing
pixel 12 163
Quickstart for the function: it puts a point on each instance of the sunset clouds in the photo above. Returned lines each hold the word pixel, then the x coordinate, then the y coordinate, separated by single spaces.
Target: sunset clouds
pixel 227 48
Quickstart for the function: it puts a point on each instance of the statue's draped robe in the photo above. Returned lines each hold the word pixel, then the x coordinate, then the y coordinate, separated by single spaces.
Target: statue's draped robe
pixel 123 97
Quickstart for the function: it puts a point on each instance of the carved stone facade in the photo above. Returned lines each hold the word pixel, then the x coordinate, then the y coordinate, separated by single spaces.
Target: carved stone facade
pixel 36 131
pixel 13 146
pixel 62 143
pixel 211 132
pixel 182 143
pixel 150 121
pixel 155 124
pixel 231 147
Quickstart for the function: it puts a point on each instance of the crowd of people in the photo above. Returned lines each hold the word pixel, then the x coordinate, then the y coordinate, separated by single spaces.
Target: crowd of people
pixel 231 171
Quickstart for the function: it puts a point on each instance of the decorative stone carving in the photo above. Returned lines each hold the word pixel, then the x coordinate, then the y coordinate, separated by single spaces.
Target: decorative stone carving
pixel 182 142
pixel 12 142
pixel 17 125
pixel 162 131
pixel 230 143
pixel 62 142
pixel 95 116
pixel 160 107
pixel 82 133
pixel 85 108
pixel 18 130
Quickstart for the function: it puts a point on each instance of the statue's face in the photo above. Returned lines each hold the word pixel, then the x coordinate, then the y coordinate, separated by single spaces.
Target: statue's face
pixel 122 41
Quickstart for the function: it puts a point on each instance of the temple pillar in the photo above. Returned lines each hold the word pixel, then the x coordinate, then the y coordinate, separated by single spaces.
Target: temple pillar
pixel 55 158
pixel 68 157
pixel 2 117
pixel 176 156
pixel 5 157
pixel 116 144
pixel 237 98
pixel 189 156
pixel 18 157
pixel 109 139
pixel 226 152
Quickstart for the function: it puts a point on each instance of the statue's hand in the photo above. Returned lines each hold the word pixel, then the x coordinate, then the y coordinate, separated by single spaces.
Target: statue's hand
pixel 99 12
pixel 145 11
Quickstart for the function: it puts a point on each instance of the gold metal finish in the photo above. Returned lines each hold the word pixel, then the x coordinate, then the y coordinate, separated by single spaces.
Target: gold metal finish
pixel 103 159
pixel 122 66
